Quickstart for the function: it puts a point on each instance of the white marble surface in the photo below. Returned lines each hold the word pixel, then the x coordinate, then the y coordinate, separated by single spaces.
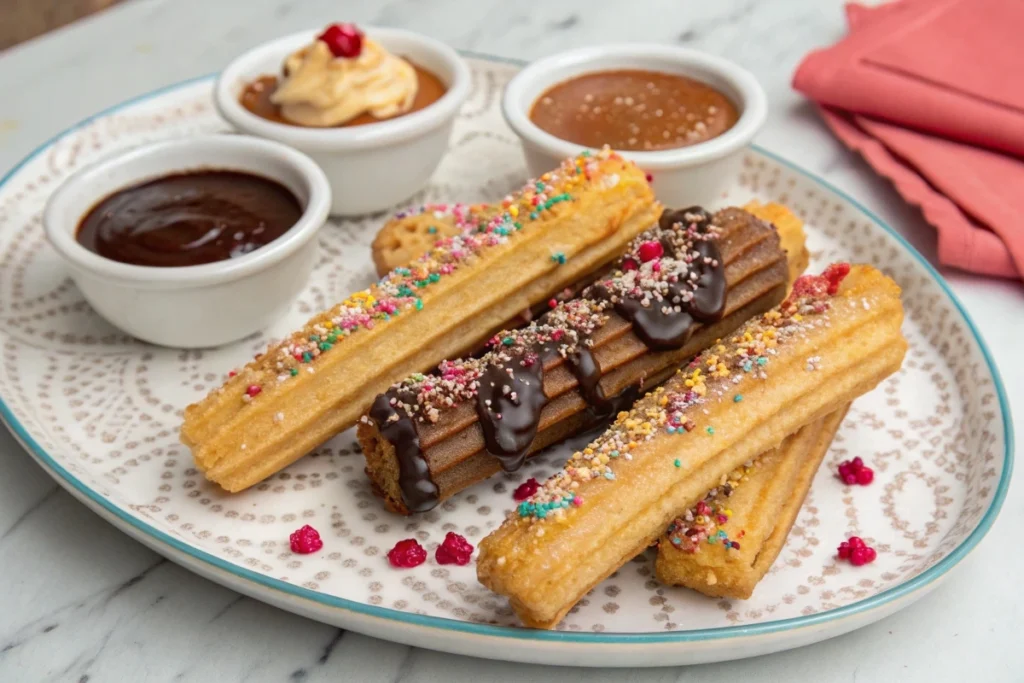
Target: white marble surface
pixel 79 601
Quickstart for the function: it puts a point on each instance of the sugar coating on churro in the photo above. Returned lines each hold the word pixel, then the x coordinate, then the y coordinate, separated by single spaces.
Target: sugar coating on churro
pixel 714 372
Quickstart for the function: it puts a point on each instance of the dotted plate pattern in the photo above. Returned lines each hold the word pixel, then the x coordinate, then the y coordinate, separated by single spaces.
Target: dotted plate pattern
pixel 107 408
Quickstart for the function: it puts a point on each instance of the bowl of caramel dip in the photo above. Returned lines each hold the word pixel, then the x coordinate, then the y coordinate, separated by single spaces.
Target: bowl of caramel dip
pixel 682 115
pixel 374 107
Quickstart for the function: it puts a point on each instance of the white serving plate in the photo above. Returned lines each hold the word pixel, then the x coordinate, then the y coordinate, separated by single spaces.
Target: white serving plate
pixel 100 412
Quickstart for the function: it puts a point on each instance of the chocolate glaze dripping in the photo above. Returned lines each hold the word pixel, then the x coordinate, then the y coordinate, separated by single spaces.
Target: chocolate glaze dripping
pixel 663 331
pixel 510 424
pixel 588 374
pixel 419 492
pixel 510 418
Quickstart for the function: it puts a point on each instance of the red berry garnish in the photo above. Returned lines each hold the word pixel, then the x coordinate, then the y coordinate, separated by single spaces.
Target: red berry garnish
pixel 649 251
pixel 454 550
pixel 835 274
pixel 856 551
pixel 819 286
pixel 855 472
pixel 305 541
pixel 629 264
pixel 809 285
pixel 526 489
pixel 343 40
pixel 407 554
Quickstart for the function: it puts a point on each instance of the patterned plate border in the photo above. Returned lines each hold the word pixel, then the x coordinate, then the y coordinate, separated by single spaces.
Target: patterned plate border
pixel 157 538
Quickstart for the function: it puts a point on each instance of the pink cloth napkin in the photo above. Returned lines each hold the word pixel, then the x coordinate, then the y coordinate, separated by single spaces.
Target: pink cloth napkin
pixel 931 93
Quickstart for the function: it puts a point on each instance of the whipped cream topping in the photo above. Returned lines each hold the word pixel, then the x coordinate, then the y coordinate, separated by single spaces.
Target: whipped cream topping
pixel 321 90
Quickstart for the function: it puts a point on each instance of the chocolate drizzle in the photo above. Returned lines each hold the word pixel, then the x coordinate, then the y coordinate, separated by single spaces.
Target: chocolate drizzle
pixel 588 374
pixel 662 305
pixel 419 491
pixel 658 324
pixel 508 404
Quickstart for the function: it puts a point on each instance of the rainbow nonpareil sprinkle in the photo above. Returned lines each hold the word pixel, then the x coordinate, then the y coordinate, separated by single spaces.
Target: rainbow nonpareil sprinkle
pixel 400 292
pixel 671 410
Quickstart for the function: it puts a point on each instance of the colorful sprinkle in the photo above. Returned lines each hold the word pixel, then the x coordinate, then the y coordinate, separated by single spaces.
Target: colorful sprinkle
pixel 668 410
pixel 480 227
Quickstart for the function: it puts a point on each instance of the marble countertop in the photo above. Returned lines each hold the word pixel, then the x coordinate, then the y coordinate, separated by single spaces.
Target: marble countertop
pixel 82 602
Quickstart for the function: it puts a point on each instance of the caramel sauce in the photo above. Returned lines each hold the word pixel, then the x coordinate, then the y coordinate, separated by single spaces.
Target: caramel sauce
pixel 256 98
pixel 633 110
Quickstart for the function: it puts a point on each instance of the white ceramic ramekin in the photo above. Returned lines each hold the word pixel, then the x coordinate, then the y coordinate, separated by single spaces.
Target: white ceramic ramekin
pixel 193 306
pixel 371 167
pixel 697 174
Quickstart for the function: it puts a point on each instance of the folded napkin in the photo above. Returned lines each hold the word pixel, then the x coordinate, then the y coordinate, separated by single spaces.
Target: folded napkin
pixel 929 92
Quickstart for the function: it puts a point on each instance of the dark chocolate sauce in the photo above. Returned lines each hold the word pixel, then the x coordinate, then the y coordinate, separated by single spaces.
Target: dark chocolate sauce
pixel 509 405
pixel 187 219
pixel 419 492
pixel 510 419
pixel 588 375
pixel 663 330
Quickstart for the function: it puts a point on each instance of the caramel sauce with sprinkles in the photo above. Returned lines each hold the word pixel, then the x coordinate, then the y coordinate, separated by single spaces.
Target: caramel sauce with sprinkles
pixel 634 110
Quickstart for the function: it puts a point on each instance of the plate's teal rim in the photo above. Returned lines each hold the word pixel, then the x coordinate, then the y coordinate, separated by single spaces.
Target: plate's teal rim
pixel 918 582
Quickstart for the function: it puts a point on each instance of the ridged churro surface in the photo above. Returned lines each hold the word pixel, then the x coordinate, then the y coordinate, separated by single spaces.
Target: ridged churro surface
pixel 823 347
pixel 724 545
pixel 317 382
pixel 429 436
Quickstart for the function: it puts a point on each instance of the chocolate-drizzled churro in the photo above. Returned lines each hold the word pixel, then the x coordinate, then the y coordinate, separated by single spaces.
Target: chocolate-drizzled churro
pixel 686 282
pixel 832 340
pixel 551 234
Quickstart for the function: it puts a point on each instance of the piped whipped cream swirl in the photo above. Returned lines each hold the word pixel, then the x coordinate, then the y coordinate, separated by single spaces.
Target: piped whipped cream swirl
pixel 321 90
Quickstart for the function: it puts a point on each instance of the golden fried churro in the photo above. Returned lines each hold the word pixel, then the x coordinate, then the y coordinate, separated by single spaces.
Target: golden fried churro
pixel 823 347
pixel 431 436
pixel 725 544
pixel 316 383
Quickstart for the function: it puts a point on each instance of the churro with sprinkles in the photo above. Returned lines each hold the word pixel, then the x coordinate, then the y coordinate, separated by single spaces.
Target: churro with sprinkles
pixel 619 494
pixel 496 265
pixel 670 294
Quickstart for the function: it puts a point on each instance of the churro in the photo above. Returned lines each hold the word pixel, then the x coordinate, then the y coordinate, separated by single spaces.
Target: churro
pixel 697 276
pixel 724 545
pixel 302 391
pixel 825 345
